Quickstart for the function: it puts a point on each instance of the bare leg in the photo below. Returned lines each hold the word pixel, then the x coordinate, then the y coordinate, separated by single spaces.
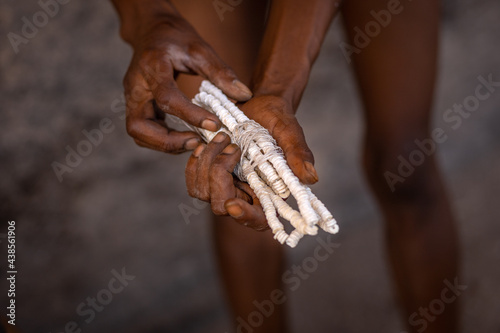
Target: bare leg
pixel 396 73
pixel 251 263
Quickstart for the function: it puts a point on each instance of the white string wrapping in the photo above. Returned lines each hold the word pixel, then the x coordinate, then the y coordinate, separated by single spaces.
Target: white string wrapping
pixel 264 167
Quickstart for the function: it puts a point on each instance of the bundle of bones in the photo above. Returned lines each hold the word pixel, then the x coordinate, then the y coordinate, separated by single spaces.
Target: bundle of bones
pixel 264 168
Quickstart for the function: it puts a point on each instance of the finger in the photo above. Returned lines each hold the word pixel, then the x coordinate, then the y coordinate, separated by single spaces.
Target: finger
pixel 171 100
pixel 159 75
pixel 244 187
pixel 207 63
pixel 144 144
pixel 190 145
pixel 191 171
pixel 147 132
pixel 291 139
pixel 251 216
pixel 205 161
pixel 222 180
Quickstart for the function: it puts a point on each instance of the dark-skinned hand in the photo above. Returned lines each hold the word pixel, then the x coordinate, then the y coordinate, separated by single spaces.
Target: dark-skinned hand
pixel 209 170
pixel 163 47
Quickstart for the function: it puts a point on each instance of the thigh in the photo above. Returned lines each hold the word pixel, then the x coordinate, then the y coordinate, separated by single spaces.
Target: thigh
pixel 394 46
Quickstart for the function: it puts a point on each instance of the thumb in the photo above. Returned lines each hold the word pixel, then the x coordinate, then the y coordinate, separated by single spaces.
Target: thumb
pixel 298 155
pixel 285 129
pixel 211 67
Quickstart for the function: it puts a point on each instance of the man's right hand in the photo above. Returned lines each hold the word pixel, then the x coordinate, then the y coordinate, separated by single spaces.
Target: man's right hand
pixel 165 45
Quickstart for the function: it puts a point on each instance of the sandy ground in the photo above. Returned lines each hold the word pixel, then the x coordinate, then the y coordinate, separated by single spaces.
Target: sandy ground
pixel 119 208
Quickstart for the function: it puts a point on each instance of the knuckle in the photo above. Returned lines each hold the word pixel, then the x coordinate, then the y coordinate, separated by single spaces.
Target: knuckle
pixel 131 127
pixel 217 173
pixel 203 195
pixel 198 49
pixel 169 147
pixel 218 207
pixel 215 149
pixel 131 79
pixel 191 192
pixel 163 99
pixel 147 56
pixel 196 191
pixel 139 143
pixel 162 96
pixel 136 95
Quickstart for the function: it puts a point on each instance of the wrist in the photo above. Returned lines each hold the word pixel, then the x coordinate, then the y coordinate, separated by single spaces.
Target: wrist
pixel 286 79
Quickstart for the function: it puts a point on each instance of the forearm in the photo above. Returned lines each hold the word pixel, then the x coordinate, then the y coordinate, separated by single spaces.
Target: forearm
pixel 293 38
pixel 138 16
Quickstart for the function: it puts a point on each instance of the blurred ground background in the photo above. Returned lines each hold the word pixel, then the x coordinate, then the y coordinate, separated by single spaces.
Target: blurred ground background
pixel 120 206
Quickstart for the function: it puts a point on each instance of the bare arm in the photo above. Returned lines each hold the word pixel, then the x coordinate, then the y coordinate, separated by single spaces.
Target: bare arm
pixel 291 44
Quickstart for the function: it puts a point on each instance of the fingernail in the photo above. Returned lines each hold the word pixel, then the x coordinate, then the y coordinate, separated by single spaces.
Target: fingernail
pixel 191 144
pixel 234 210
pixel 312 171
pixel 243 89
pixel 198 150
pixel 209 125
pixel 231 149
pixel 219 137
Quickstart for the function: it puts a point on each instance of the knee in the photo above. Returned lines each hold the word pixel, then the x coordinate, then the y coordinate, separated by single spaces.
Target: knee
pixel 402 169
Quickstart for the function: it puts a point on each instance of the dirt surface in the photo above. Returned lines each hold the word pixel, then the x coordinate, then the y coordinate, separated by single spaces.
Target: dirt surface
pixel 119 208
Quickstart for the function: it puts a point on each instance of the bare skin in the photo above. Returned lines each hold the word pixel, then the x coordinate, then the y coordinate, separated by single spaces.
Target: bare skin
pixel 420 234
